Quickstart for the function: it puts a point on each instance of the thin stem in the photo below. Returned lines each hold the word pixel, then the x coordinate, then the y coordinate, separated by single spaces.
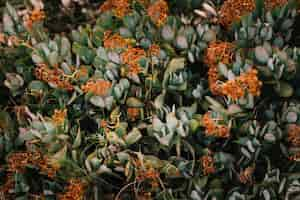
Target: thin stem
pixel 123 189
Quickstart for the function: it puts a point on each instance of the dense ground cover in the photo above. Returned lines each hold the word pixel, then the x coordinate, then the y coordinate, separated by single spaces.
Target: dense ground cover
pixel 150 99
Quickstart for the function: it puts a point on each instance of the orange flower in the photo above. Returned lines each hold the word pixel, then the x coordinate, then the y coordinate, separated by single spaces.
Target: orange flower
pixel 154 50
pixel 232 10
pixel 53 76
pixel 236 88
pixel 113 41
pixel 81 72
pixel 146 172
pixel 119 7
pixel 59 117
pixel 74 191
pixel 47 167
pixel 131 58
pixel 2 38
pixel 36 15
pixel 18 161
pixel 149 174
pixel 213 77
pixel 217 52
pixel 207 162
pixel 294 134
pixel 106 6
pixel 251 82
pixel 103 123
pixel 133 113
pixel 233 89
pixel 158 12
pixel 214 129
pixel 97 87
pixel 245 176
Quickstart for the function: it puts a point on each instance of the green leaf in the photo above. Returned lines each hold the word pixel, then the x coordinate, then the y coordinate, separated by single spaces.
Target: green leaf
pixel 53 58
pixel 8 24
pixel 78 140
pixel 284 89
pixel 287 24
pixel 6 123
pixel 259 8
pixel 134 136
pixel 174 65
pixel 86 54
pixel 37 86
pixel 65 47
pixel 97 101
pixel 134 102
pixel 37 58
pixel 209 36
pixel 130 21
pixel 12 12
pixel 261 54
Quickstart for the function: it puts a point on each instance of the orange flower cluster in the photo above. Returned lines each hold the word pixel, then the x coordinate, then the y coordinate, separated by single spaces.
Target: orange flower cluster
pixel 294 134
pixel 59 116
pixel 146 172
pixel 217 52
pixel 207 162
pixel 149 174
pixel 154 50
pixel 75 190
pixel 232 10
pixel 97 87
pixel 119 7
pixel 113 41
pixel 17 162
pixel 36 15
pixel 158 12
pixel 131 58
pixel 233 89
pixel 245 176
pixel 53 76
pixel 236 88
pixel 213 78
pixel 214 129
pixel 133 113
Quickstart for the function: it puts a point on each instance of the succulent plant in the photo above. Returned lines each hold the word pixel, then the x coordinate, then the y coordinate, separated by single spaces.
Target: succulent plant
pixel 254 30
pixel 150 99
